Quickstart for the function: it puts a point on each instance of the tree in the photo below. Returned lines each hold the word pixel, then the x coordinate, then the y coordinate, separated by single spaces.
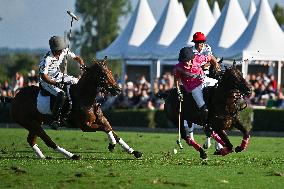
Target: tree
pixel 187 4
pixel 100 24
pixel 278 12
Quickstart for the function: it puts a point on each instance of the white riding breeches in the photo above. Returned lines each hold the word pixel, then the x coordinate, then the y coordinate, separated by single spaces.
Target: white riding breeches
pixel 197 95
pixel 209 82
pixel 53 89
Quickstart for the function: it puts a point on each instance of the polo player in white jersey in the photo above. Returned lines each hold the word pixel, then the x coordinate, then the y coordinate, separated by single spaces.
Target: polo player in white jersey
pixel 51 77
pixel 202 48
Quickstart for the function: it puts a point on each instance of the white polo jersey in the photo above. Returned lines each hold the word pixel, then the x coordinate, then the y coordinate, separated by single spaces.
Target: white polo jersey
pixel 206 50
pixel 51 66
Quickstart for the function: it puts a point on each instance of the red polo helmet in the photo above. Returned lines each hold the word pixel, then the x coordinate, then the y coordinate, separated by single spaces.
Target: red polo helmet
pixel 198 36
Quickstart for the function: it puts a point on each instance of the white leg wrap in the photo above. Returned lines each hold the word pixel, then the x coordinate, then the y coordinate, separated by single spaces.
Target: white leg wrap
pixel 125 146
pixel 111 137
pixel 64 152
pixel 38 152
pixel 218 146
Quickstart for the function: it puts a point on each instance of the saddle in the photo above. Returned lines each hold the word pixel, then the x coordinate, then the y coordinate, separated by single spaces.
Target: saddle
pixel 46 101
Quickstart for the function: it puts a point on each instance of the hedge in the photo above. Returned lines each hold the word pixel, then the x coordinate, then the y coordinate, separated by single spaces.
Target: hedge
pixel 268 120
pixel 257 119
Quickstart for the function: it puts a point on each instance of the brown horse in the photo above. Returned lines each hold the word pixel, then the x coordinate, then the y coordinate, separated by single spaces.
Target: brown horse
pixel 85 113
pixel 223 102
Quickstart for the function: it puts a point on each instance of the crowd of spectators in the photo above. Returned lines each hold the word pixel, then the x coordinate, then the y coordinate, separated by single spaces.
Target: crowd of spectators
pixel 140 94
pixel 9 89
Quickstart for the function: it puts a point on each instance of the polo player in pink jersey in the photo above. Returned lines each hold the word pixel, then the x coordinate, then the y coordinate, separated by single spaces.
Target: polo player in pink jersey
pixel 189 73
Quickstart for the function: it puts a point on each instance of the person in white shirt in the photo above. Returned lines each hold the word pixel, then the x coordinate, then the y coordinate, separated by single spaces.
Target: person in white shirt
pixel 51 77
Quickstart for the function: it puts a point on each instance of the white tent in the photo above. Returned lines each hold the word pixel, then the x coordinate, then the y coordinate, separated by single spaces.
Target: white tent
pixel 137 30
pixel 169 25
pixel 201 19
pixel 216 10
pixel 228 27
pixel 251 11
pixel 262 40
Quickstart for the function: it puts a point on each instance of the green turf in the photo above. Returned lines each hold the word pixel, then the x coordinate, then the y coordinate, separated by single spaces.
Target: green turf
pixel 261 166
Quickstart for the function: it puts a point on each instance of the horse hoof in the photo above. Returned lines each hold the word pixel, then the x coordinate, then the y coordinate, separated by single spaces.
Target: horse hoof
pixel 217 152
pixel 203 154
pixel 225 151
pixel 137 154
pixel 76 157
pixel 111 147
pixel 238 149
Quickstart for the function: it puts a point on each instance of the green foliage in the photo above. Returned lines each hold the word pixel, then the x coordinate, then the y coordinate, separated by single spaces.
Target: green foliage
pixel 99 24
pixel 278 12
pixel 261 166
pixel 17 62
pixel 187 4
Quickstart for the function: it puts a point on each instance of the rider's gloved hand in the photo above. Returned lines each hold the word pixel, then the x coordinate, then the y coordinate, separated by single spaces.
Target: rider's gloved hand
pixel 180 96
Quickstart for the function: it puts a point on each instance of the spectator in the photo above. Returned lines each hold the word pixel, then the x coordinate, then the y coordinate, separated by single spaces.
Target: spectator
pixel 19 81
pixel 32 78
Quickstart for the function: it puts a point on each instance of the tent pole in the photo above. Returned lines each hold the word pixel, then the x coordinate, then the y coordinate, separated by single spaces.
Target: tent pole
pixel 279 75
pixel 123 68
pixel 155 71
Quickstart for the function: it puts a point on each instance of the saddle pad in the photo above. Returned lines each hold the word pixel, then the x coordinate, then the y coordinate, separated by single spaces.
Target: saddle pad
pixel 43 104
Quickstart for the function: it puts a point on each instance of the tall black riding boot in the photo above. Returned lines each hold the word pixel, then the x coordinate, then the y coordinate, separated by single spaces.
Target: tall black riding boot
pixel 204 113
pixel 56 110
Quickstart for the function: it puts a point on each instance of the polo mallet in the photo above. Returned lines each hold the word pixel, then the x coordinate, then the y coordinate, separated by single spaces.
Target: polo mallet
pixel 73 17
pixel 179 115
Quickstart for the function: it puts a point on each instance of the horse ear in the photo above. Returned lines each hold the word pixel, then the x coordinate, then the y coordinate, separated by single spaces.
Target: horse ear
pixel 104 62
pixel 221 61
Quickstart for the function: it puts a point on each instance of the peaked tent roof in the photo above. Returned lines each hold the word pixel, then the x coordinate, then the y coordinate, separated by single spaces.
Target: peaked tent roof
pixel 137 30
pixel 263 39
pixel 251 11
pixel 201 19
pixel 169 25
pixel 216 10
pixel 228 27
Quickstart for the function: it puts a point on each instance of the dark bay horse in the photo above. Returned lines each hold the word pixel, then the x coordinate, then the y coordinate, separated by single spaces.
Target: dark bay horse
pixel 85 113
pixel 223 102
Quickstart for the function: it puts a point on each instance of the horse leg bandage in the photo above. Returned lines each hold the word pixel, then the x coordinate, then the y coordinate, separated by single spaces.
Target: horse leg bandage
pixel 111 137
pixel 217 138
pixel 125 146
pixel 192 142
pixel 245 142
pixel 63 151
pixel 38 152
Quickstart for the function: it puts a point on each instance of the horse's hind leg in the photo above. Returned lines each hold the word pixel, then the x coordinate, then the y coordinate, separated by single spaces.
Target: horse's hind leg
pixel 47 140
pixel 31 139
pixel 191 142
pixel 246 136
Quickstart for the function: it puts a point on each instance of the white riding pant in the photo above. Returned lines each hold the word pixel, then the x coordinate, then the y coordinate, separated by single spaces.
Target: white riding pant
pixel 53 89
pixel 197 95
pixel 209 82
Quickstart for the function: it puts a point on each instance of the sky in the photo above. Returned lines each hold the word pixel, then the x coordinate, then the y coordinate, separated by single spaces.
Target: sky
pixel 30 23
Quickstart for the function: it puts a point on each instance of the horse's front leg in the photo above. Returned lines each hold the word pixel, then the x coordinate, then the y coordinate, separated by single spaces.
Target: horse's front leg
pixel 225 142
pixel 246 136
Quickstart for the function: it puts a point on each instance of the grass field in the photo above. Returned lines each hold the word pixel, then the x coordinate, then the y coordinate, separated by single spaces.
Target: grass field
pixel 261 166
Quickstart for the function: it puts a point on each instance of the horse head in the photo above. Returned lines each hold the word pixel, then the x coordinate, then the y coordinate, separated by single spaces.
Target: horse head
pixel 232 79
pixel 101 77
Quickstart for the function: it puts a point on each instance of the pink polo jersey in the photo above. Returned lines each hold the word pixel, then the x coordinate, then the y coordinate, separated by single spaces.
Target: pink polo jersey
pixel 191 82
